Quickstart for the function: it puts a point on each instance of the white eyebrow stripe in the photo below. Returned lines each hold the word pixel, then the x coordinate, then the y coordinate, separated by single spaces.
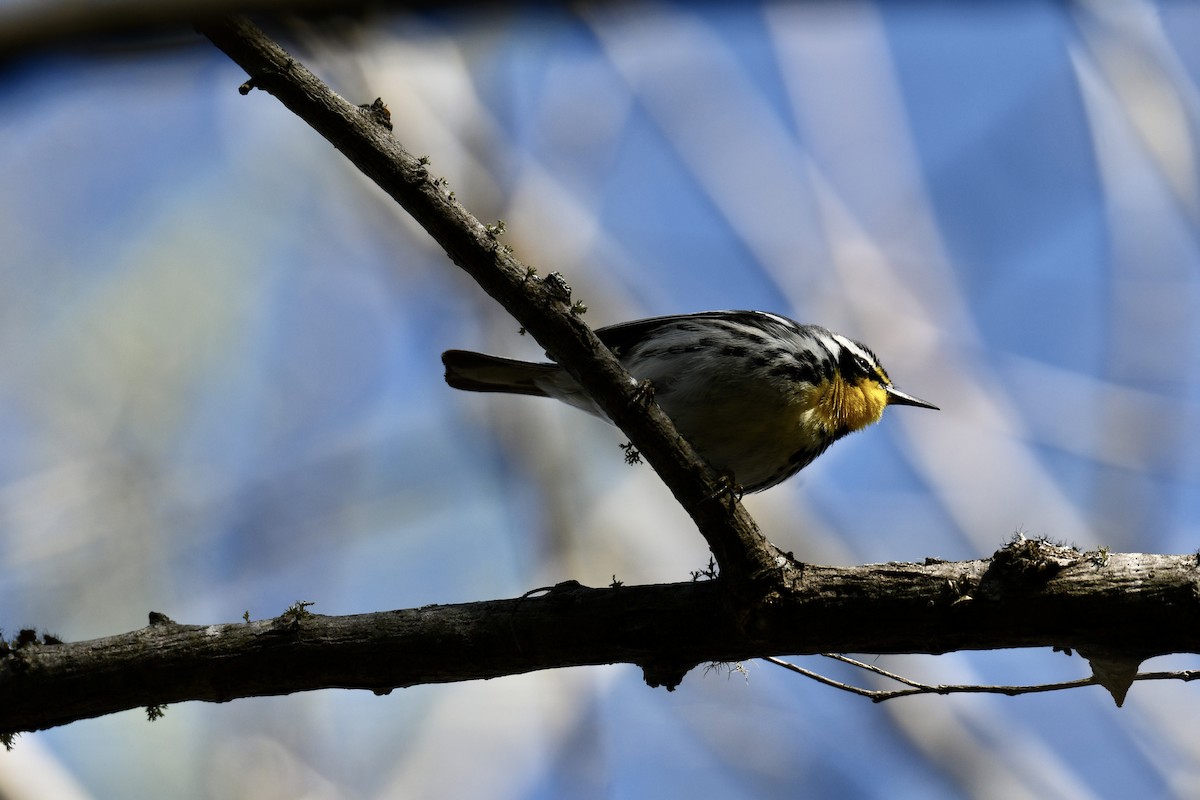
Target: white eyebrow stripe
pixel 784 321
pixel 829 340
pixel 854 348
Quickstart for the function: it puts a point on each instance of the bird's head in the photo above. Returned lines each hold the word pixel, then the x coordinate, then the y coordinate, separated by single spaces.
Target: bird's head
pixel 858 388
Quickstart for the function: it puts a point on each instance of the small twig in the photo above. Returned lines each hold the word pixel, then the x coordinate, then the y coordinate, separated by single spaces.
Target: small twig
pixel 1011 691
pixel 1182 675
pixel 872 668
pixel 916 687
pixel 819 678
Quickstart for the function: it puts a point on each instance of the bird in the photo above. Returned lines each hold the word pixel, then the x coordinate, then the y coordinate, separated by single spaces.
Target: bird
pixel 758 395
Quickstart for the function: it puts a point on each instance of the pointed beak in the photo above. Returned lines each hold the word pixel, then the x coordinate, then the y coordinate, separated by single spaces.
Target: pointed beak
pixel 899 398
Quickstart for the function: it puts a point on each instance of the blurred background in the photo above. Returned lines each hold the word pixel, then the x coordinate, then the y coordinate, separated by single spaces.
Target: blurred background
pixel 220 387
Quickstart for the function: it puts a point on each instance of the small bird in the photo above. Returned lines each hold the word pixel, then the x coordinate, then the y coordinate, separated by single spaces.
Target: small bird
pixel 758 395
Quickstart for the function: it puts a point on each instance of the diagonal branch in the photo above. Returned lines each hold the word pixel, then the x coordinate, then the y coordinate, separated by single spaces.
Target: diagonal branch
pixel 541 306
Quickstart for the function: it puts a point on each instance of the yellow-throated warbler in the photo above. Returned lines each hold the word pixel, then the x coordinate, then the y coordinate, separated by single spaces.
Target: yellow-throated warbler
pixel 758 395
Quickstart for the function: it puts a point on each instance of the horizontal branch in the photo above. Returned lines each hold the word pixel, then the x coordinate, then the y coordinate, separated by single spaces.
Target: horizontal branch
pixel 1029 594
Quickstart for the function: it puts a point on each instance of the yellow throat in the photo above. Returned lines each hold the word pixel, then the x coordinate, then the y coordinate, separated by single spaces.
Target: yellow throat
pixel 844 406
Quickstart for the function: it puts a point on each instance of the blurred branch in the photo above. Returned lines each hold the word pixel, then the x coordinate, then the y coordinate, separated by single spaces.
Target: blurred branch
pixel 543 307
pixel 1029 594
pixel 31 27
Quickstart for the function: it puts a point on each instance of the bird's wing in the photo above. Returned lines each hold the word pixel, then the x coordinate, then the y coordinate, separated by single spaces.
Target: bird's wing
pixel 623 335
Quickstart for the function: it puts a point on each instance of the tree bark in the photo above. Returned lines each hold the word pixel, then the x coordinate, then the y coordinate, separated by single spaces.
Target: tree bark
pixel 1029 594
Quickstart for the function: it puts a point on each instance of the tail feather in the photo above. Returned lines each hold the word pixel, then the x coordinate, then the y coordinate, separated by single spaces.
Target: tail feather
pixel 478 372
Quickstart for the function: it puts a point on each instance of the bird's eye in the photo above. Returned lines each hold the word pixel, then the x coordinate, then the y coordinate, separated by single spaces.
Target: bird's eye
pixel 864 365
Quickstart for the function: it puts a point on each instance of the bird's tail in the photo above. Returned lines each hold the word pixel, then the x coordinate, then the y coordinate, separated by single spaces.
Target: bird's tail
pixel 477 372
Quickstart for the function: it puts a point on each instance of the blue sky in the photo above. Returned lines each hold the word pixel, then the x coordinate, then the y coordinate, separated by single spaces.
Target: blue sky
pixel 220 386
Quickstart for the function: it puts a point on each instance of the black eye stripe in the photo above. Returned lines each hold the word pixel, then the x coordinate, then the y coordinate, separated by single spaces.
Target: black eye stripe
pixel 852 363
pixel 856 365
